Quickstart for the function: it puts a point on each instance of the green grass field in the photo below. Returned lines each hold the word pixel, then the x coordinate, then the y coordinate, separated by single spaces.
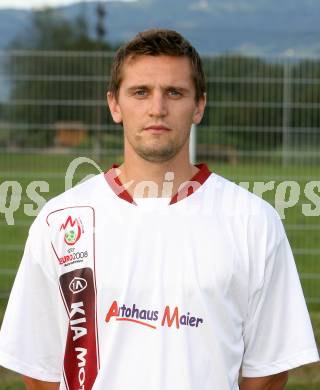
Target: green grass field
pixel 303 231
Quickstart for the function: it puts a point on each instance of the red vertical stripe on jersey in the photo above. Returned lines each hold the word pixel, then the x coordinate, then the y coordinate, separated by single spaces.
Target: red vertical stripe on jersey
pixel 81 358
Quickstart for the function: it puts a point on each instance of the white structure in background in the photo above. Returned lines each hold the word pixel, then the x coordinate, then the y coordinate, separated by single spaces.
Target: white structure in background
pixel 193 144
pixel 286 119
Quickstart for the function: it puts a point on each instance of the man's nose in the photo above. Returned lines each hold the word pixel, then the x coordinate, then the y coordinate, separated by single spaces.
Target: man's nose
pixel 158 105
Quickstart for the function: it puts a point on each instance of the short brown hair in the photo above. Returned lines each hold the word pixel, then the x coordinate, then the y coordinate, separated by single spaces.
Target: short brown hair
pixel 157 42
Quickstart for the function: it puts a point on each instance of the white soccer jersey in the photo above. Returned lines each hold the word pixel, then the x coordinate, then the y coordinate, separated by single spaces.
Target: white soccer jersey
pixel 116 294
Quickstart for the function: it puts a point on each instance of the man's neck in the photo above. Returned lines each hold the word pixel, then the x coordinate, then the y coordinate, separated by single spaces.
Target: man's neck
pixel 154 179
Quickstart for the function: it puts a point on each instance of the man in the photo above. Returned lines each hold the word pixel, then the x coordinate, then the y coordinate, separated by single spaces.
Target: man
pixel 157 274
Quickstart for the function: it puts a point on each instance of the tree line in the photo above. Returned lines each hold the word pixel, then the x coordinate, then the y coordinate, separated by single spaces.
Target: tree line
pixel 250 100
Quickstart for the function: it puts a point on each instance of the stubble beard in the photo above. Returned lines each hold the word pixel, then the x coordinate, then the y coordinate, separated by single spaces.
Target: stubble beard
pixel 158 154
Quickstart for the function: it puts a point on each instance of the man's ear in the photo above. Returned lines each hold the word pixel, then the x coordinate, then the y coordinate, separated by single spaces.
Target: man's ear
pixel 114 107
pixel 199 110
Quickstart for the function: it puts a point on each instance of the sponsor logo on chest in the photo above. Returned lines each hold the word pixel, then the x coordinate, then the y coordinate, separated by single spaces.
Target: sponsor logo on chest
pixel 169 317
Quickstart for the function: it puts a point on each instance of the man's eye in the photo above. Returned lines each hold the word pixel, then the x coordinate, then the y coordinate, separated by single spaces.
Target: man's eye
pixel 174 92
pixel 140 92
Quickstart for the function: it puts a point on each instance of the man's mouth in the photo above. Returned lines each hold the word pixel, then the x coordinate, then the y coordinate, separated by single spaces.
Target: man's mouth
pixel 157 128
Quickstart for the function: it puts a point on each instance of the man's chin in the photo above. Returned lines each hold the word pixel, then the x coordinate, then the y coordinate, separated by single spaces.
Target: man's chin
pixel 157 156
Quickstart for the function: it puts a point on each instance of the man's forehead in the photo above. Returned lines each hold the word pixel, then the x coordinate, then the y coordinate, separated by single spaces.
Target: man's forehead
pixel 172 69
pixel 135 58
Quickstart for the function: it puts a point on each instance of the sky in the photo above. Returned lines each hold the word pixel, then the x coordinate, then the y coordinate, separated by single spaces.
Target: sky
pixel 28 4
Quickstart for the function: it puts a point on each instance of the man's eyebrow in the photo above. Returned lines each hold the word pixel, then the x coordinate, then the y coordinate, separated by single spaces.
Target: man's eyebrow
pixel 165 88
pixel 135 87
pixel 178 88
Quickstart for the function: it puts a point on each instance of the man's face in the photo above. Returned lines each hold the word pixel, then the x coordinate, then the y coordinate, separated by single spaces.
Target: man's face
pixel 156 104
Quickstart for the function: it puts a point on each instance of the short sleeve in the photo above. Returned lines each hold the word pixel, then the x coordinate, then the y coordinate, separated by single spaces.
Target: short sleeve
pixel 31 339
pixel 278 334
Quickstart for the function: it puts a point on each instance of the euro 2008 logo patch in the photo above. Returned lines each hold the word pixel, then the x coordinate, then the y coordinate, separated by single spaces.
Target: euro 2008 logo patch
pixel 72 230
pixel 72 234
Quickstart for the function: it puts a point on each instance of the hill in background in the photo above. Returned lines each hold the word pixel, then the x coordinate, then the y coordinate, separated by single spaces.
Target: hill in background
pixel 266 27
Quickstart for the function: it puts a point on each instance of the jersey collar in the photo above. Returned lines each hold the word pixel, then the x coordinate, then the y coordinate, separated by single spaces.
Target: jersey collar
pixel 194 183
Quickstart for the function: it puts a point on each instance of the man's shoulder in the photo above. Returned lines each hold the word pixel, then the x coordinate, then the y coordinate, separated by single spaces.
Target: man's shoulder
pixel 235 199
pixel 86 193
